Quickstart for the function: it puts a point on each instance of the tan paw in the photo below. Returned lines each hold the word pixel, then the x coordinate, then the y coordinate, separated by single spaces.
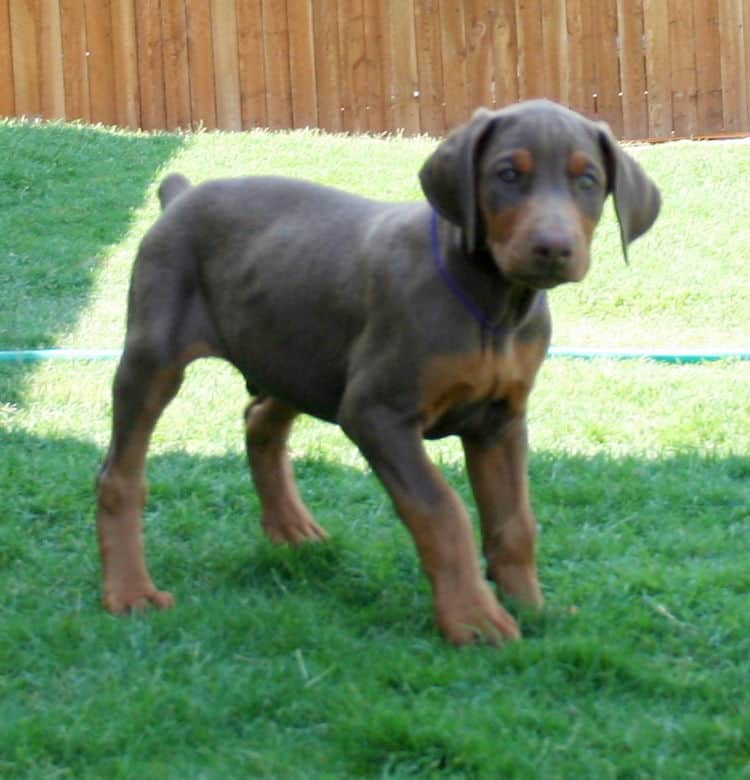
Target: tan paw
pixel 136 600
pixel 474 615
pixel 292 529
pixel 519 583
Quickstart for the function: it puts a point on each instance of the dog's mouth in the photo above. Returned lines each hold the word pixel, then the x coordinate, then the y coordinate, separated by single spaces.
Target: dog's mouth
pixel 539 273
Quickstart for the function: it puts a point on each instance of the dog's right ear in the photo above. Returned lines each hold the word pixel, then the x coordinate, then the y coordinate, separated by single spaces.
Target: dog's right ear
pixel 448 177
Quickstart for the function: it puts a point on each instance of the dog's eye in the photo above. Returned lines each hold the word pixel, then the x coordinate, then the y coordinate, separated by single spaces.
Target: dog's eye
pixel 508 175
pixel 587 181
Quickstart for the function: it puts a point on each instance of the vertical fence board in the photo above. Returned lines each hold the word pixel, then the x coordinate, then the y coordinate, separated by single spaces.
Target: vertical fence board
pixel 604 45
pixel 658 73
pixel 278 87
pixel 733 76
pixel 376 46
pixel 201 63
pixel 52 87
pixel 7 96
pixel 505 53
pixel 632 69
pixel 75 66
pixel 707 66
pixel 555 40
pixel 479 65
pixel 574 30
pixel 226 64
pixel 100 61
pixel 682 61
pixel 176 73
pixel 302 64
pixel 405 109
pixel 150 64
pixel 25 52
pixel 327 76
pixel 352 65
pixel 125 64
pixel 589 43
pixel 453 50
pixel 251 63
pixel 430 64
pixel 531 52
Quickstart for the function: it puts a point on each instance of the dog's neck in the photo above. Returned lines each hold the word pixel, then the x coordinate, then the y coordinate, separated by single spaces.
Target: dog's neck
pixel 498 304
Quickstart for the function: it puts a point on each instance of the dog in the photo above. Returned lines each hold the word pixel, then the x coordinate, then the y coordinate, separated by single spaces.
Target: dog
pixel 398 322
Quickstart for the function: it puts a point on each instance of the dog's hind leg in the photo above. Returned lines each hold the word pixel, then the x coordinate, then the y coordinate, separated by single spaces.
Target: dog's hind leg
pixel 284 517
pixel 143 387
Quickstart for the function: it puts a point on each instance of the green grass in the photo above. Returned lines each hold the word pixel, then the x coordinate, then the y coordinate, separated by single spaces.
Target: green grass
pixel 323 662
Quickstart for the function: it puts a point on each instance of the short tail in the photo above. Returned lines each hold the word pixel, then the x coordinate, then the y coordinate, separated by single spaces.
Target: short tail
pixel 171 187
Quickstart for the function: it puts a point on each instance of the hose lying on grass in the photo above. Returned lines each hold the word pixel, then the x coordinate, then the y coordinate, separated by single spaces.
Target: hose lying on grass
pixel 39 355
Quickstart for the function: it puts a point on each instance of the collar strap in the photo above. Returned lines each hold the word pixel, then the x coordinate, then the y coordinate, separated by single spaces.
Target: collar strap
pixel 452 284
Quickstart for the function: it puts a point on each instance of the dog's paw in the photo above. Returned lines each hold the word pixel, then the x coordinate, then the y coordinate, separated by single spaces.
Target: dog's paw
pixel 474 615
pixel 121 603
pixel 519 583
pixel 292 529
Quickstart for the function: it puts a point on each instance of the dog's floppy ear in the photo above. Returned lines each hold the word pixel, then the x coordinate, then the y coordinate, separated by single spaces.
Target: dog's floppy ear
pixel 636 197
pixel 448 177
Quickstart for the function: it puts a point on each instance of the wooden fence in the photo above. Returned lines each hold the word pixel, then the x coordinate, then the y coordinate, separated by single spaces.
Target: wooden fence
pixel 651 68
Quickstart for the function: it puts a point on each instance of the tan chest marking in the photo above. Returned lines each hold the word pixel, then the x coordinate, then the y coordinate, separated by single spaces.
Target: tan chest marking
pixel 451 380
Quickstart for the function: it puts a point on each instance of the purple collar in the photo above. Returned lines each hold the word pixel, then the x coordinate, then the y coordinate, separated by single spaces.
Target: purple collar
pixel 453 285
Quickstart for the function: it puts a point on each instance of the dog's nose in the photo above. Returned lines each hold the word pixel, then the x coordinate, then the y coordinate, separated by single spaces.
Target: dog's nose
pixel 552 247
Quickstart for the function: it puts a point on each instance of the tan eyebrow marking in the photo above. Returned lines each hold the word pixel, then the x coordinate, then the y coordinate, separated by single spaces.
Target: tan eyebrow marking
pixel 522 161
pixel 578 162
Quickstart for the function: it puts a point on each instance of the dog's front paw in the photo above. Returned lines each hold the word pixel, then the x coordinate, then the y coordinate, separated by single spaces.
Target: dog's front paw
pixel 472 614
pixel 123 601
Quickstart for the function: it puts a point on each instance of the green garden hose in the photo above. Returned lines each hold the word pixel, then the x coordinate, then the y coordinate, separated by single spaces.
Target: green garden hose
pixel 678 357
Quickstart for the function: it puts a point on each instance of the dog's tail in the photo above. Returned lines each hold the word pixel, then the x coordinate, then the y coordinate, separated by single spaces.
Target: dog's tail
pixel 171 187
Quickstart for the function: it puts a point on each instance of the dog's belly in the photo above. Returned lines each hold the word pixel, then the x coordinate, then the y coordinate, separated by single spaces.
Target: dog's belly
pixel 487 419
pixel 308 388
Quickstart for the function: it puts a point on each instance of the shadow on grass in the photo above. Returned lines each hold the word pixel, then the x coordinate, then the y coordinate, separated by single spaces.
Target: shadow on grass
pixel 266 641
pixel 67 192
pixel 601 518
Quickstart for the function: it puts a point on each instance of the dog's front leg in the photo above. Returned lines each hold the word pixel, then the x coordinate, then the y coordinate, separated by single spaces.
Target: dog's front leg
pixel 465 607
pixel 499 479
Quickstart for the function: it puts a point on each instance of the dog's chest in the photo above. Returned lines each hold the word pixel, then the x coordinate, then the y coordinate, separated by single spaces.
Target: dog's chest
pixel 464 392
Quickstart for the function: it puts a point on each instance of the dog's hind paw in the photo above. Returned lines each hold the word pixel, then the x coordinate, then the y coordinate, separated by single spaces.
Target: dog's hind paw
pixel 296 529
pixel 519 583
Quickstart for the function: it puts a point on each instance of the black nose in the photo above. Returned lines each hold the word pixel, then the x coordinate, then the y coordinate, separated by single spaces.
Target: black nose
pixel 552 247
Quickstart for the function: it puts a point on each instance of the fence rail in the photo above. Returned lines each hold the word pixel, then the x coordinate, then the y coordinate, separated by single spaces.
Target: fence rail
pixel 651 68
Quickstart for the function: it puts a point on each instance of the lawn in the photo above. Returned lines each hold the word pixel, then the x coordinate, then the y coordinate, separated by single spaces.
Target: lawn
pixel 323 662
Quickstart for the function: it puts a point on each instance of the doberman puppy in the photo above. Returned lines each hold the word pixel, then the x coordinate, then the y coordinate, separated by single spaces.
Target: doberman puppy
pixel 396 321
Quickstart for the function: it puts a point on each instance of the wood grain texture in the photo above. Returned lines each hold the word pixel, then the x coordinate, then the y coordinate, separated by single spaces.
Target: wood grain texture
pixel 125 64
pixel 201 63
pixel 24 34
pixel 632 69
pixel 100 60
pixel 7 87
pixel 658 71
pixel 650 68
pixel 176 71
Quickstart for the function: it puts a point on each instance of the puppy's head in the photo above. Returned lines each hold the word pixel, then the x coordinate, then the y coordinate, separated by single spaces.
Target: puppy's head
pixel 528 184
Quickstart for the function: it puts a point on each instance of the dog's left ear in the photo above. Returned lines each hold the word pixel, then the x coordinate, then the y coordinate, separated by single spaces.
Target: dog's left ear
pixel 636 197
pixel 448 177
